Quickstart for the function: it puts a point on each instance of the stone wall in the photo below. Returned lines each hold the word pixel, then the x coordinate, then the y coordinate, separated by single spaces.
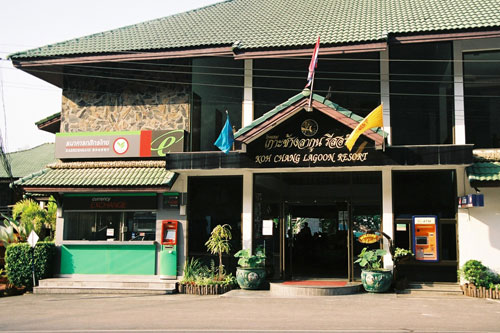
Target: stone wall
pixel 95 105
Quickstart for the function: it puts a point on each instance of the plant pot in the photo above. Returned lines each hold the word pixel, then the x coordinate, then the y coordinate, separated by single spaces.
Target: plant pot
pixel 250 278
pixel 378 281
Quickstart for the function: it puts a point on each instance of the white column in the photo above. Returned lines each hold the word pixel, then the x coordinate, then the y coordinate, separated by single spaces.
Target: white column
pixel 59 226
pixel 384 92
pixel 247 114
pixel 247 221
pixel 387 214
pixel 458 79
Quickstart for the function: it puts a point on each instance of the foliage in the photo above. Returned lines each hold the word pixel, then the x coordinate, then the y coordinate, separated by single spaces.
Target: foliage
pixel 478 274
pixel 197 273
pixel 19 266
pixel 218 243
pixel 400 253
pixel 13 231
pixel 370 260
pixel 32 216
pixel 248 260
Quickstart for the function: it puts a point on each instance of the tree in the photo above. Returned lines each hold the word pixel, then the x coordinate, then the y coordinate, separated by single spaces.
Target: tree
pixel 33 217
pixel 218 243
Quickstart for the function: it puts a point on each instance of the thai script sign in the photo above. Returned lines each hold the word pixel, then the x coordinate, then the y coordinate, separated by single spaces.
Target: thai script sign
pixel 118 144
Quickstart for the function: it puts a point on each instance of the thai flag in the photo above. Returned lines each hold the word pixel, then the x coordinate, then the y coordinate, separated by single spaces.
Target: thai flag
pixel 313 64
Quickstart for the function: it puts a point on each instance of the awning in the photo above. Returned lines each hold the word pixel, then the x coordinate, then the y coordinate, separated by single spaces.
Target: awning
pixel 110 176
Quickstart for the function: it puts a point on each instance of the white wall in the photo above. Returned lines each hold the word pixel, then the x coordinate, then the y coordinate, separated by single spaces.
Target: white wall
pixel 479 230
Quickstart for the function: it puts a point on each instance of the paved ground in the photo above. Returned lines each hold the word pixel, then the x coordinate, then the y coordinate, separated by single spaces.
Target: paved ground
pixel 247 311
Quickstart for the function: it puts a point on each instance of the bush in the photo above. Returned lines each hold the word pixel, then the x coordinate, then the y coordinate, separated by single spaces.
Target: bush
pixel 478 274
pixel 18 263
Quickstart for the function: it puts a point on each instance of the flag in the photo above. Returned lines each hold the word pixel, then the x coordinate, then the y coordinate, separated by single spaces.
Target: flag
pixel 313 64
pixel 374 119
pixel 226 138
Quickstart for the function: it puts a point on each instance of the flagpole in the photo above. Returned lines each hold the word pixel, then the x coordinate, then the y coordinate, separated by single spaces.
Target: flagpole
pixel 309 107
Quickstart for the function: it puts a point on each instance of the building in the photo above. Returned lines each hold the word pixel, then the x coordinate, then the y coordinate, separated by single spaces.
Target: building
pixel 143 105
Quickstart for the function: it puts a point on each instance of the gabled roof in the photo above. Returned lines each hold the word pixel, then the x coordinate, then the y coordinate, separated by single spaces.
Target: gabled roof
pixel 100 175
pixel 25 162
pixel 265 24
pixel 285 110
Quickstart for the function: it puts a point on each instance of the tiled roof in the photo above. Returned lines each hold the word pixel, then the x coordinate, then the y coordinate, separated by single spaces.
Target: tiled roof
pixel 101 174
pixel 294 99
pixel 484 172
pixel 25 162
pixel 262 24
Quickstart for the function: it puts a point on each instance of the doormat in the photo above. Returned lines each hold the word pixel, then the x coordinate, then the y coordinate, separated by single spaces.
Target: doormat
pixel 322 283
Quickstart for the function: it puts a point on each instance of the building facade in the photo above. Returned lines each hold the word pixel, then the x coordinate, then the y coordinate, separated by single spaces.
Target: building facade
pixel 138 123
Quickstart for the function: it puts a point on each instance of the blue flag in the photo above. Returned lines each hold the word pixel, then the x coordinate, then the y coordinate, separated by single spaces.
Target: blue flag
pixel 226 138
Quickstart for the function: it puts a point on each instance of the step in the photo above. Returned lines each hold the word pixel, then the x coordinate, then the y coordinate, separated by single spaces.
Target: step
pixel 106 284
pixel 433 289
pixel 280 289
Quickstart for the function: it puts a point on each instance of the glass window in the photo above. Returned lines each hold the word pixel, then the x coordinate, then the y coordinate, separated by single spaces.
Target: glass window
pixel 421 93
pixel 217 88
pixel 352 81
pixel 482 98
pixel 118 226
pixel 424 193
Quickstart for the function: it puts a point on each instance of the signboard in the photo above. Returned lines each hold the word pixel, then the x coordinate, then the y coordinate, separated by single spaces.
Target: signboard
pixel 118 144
pixel 267 227
pixel 425 238
pixel 368 238
pixel 471 200
pixel 171 200
pixel 310 139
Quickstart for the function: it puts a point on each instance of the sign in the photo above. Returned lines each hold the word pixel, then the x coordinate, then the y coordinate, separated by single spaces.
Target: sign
pixel 425 238
pixel 118 144
pixel 310 140
pixel 267 227
pixel 110 232
pixel 368 238
pixel 171 200
pixel 471 200
pixel 98 202
pixel 33 238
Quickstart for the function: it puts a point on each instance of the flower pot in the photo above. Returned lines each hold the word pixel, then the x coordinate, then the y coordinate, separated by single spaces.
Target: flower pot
pixel 250 278
pixel 377 281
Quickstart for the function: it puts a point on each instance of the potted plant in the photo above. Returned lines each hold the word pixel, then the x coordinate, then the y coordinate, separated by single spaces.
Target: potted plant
pixel 374 277
pixel 251 271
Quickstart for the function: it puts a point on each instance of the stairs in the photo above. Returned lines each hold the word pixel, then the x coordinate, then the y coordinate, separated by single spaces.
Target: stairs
pixel 432 289
pixel 106 284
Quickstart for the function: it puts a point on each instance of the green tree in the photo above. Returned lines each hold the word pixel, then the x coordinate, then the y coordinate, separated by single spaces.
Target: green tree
pixel 33 217
pixel 218 243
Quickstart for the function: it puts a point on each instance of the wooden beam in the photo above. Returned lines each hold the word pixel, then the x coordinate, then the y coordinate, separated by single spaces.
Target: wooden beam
pixel 129 56
pixel 422 38
pixel 94 189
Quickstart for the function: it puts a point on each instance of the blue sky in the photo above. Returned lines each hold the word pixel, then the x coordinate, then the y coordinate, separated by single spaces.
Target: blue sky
pixel 25 99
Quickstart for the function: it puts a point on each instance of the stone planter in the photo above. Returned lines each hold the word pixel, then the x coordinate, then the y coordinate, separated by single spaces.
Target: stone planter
pixel 250 278
pixel 378 281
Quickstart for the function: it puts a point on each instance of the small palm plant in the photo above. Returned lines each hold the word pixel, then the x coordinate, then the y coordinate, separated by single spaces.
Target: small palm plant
pixel 218 243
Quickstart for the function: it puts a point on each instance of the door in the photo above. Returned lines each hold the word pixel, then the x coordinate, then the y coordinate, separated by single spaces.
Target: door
pixel 315 241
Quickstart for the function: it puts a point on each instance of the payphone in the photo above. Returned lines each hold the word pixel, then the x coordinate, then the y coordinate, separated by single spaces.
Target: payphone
pixel 168 251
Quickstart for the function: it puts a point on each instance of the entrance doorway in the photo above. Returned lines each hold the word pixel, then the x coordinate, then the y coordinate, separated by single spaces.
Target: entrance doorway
pixel 315 219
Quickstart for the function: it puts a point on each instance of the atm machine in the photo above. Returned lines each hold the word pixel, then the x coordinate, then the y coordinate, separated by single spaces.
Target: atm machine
pixel 168 251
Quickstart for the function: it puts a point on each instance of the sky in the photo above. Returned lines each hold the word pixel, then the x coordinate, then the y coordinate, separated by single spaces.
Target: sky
pixel 24 99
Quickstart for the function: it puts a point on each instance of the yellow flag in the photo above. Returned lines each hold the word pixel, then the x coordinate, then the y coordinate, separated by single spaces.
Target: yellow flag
pixel 374 119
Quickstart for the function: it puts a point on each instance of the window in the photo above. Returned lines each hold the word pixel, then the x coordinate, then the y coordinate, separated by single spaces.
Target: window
pixel 482 99
pixel 421 93
pixel 118 226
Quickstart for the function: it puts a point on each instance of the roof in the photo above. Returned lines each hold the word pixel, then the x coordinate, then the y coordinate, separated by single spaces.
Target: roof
pixel 25 162
pixel 264 24
pixel 131 174
pixel 484 173
pixel 274 116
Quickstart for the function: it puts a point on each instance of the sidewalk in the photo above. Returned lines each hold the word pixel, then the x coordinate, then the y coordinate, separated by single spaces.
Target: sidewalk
pixel 241 311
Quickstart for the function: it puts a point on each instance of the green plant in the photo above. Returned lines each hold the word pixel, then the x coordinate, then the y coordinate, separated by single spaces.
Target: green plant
pixel 33 217
pixel 478 274
pixel 400 253
pixel 18 262
pixel 191 270
pixel 218 243
pixel 370 260
pixel 248 260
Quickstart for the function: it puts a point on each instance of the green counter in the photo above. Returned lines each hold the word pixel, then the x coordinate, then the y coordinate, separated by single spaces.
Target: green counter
pixel 108 258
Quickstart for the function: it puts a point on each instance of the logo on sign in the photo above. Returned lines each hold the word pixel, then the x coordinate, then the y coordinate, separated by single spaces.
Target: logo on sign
pixel 368 238
pixel 120 146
